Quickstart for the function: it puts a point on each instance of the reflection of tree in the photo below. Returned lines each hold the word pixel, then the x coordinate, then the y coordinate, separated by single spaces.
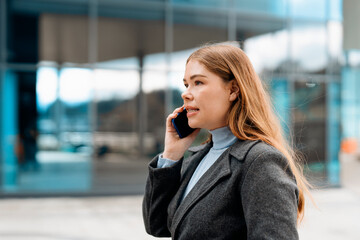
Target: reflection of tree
pixel 177 100
pixel 74 117
pixel 116 115
pixel 309 101
pixel 308 106
pixel 80 110
pixel 155 110
pixel 121 115
pixel 295 66
pixel 308 95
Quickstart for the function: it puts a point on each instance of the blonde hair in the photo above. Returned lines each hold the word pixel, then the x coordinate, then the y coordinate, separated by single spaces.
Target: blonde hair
pixel 251 116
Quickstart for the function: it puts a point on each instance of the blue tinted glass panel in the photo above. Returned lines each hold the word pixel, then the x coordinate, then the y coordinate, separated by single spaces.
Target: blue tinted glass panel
pixel 333 132
pixel 268 7
pixel 281 101
pixel 350 113
pixel 315 10
pixel 9 131
pixel 64 139
pixel 309 120
pixel 48 155
pixel 203 3
pixel 336 10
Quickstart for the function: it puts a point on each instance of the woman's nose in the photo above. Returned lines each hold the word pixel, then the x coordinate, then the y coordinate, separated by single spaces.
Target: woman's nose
pixel 186 95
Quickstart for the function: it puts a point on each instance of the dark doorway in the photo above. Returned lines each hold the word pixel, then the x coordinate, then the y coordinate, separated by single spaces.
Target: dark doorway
pixel 27 121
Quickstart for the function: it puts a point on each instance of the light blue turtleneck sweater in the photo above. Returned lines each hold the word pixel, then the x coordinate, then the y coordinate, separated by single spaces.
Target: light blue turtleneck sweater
pixel 222 139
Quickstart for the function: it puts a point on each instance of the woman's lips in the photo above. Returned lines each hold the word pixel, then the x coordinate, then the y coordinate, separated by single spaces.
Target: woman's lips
pixel 191 112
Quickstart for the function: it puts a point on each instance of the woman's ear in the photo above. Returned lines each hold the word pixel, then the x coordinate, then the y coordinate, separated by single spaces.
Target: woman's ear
pixel 234 90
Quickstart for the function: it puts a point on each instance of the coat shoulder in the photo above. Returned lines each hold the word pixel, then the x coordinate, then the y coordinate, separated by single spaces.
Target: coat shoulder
pixel 247 152
pixel 262 148
pixel 265 157
pixel 252 149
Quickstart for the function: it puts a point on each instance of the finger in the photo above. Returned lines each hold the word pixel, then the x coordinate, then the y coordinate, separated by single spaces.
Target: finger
pixel 169 119
pixel 175 113
pixel 179 109
pixel 171 116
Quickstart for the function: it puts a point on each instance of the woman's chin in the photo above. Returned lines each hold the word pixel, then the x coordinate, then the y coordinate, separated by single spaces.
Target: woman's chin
pixel 193 125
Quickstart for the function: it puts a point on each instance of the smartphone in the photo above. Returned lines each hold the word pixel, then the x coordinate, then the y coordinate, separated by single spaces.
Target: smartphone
pixel 181 125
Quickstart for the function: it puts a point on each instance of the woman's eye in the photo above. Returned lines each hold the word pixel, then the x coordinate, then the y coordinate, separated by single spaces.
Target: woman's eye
pixel 186 85
pixel 198 82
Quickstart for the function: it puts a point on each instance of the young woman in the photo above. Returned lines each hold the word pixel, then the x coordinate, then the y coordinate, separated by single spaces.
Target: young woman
pixel 244 183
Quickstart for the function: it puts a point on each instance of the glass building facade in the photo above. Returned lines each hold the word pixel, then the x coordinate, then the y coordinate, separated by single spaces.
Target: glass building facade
pixel 86 85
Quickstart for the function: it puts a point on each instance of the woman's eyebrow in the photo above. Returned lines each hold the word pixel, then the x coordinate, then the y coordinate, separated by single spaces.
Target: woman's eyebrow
pixel 194 76
pixel 197 75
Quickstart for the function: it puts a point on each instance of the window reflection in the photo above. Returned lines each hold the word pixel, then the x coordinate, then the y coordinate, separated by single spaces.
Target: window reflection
pixel 310 120
pixel 74 99
pixel 46 91
pixel 315 9
pixel 46 87
pixel 268 51
pixel 273 7
pixel 309 47
pixel 78 112
pixel 116 95
pixel 115 85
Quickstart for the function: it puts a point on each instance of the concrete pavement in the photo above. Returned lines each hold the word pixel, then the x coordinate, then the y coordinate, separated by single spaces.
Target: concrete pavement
pixel 119 218
pixel 336 216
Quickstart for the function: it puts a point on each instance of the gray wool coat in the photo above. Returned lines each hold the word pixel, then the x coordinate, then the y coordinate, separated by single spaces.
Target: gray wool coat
pixel 248 193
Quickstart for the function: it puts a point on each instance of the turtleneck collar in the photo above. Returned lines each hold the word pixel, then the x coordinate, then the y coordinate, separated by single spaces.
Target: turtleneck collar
pixel 222 137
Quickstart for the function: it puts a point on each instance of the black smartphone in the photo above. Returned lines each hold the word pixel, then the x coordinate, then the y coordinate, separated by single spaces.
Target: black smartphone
pixel 181 125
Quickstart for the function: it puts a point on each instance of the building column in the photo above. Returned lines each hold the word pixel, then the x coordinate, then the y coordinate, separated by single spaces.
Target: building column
pixel 350 102
pixel 281 100
pixel 9 130
pixel 333 132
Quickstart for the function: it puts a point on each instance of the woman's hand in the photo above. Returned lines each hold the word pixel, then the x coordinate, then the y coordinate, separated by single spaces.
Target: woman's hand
pixel 175 146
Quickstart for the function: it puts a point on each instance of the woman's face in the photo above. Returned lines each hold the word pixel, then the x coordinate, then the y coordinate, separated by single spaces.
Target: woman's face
pixel 206 98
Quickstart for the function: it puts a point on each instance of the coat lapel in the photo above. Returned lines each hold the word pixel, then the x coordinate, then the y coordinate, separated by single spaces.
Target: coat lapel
pixel 219 170
pixel 188 168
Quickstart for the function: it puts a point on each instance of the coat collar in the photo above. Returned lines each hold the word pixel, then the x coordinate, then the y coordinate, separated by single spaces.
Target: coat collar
pixel 198 148
pixel 219 170
pixel 238 150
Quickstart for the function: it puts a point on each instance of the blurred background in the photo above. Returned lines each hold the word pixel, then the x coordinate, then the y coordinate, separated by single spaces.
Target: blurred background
pixel 86 85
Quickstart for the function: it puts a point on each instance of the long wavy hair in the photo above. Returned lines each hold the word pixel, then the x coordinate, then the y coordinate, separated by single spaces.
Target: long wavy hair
pixel 251 116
